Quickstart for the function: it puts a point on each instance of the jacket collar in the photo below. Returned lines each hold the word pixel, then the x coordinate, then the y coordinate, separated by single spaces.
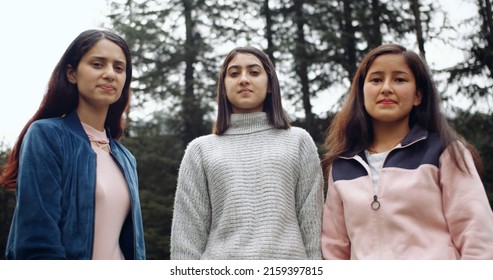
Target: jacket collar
pixel 74 125
pixel 414 135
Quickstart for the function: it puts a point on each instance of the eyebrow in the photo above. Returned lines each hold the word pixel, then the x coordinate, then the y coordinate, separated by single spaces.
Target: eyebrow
pixel 393 72
pixel 248 66
pixel 105 59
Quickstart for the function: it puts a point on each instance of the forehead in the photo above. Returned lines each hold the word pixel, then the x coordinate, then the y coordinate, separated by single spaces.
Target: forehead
pixel 244 59
pixel 105 48
pixel 390 62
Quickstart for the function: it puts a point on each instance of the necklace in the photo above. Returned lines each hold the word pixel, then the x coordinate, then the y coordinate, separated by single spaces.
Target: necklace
pixel 103 145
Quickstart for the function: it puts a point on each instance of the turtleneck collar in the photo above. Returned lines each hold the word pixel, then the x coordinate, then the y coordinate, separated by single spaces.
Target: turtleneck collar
pixel 248 123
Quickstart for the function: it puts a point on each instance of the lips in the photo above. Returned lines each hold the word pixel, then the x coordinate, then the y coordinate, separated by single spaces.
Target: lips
pixel 107 87
pixel 386 101
pixel 245 90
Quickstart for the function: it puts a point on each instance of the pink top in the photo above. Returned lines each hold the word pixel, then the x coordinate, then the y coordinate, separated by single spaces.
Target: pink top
pixel 112 199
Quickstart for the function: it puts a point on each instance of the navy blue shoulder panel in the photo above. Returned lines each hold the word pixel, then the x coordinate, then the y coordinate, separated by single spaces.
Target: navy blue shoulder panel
pixel 347 169
pixel 425 151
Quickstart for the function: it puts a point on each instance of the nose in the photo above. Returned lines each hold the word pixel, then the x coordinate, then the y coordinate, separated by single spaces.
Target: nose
pixel 109 73
pixel 244 79
pixel 386 87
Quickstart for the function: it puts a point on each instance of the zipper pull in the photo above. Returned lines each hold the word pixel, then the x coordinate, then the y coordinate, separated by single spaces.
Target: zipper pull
pixel 375 205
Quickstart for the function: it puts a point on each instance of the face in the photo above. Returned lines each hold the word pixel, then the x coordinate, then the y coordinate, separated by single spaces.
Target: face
pixel 390 90
pixel 100 75
pixel 246 83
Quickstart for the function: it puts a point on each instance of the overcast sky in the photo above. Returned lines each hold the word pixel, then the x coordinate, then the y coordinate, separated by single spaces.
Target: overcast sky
pixel 34 34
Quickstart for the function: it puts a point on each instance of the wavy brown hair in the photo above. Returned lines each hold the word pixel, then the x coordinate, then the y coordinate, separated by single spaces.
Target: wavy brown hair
pixel 62 97
pixel 272 103
pixel 351 130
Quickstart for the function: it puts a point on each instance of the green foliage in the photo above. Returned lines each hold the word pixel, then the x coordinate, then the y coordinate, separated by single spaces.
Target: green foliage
pixel 477 128
pixel 168 48
pixel 158 159
pixel 7 204
pixel 478 65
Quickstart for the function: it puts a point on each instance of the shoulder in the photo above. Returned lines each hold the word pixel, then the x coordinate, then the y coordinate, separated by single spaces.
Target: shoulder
pixel 300 135
pixel 458 148
pixel 200 143
pixel 45 130
pixel 302 141
pixel 51 124
pixel 45 136
pixel 295 130
pixel 203 140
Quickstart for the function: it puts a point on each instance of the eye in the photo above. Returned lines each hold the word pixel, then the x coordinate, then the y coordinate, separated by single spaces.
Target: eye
pixel 254 73
pixel 400 80
pixel 97 64
pixel 119 69
pixel 375 80
pixel 234 74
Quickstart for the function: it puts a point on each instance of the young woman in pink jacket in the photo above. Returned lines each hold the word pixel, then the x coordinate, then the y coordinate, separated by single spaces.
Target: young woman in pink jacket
pixel 402 184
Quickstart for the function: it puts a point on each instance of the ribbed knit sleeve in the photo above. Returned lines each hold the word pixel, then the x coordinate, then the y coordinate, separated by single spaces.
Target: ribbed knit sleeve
pixel 309 196
pixel 192 211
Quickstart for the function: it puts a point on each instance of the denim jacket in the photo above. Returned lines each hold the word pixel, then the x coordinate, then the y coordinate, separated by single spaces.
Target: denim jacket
pixel 56 185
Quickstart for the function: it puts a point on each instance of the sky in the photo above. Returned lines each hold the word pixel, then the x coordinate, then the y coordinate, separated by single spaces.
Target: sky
pixel 34 34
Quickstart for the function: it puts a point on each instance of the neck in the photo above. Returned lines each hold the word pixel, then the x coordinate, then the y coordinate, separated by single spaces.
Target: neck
pixel 95 119
pixel 387 136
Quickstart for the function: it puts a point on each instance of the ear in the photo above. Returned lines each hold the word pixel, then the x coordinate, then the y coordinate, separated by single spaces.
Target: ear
pixel 71 75
pixel 418 97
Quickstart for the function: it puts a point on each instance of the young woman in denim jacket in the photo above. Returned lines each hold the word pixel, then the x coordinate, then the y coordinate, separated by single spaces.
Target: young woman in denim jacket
pixel 76 186
pixel 402 183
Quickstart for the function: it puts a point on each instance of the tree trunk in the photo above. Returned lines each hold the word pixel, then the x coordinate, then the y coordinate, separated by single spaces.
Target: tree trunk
pixel 376 39
pixel 349 39
pixel 419 31
pixel 268 30
pixel 191 112
pixel 301 64
pixel 488 26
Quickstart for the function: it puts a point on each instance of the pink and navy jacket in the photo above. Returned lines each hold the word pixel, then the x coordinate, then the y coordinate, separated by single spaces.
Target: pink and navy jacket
pixel 429 208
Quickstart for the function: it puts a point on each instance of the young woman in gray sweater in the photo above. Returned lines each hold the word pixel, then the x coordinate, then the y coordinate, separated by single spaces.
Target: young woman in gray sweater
pixel 253 189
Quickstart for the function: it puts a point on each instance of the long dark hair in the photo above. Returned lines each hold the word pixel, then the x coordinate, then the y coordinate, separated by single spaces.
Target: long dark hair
pixel 62 97
pixel 352 129
pixel 272 103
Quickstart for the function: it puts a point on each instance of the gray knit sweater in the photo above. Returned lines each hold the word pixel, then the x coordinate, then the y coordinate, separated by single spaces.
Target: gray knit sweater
pixel 255 192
